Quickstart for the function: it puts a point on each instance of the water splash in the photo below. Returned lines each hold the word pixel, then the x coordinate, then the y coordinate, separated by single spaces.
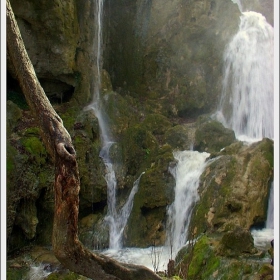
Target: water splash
pixel 246 104
pixel 189 167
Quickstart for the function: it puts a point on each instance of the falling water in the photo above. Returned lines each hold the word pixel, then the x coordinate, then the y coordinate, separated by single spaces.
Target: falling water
pixel 189 167
pixel 116 219
pixel 238 2
pixel 247 98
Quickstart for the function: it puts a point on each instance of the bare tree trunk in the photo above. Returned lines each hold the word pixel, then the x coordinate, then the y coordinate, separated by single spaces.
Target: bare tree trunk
pixel 66 245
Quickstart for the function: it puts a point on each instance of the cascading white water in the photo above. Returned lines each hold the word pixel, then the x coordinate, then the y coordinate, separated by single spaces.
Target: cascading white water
pixel 189 167
pixel 246 104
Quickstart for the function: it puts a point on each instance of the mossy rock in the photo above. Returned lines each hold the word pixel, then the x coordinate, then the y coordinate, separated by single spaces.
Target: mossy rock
pixel 178 137
pixel 266 272
pixel 212 136
pixel 147 220
pixel 200 262
pixel 119 113
pixel 156 123
pixel 232 183
pixel 34 146
pixel 237 242
pixel 138 145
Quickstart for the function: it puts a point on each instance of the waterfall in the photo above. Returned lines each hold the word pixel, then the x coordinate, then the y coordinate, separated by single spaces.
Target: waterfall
pixel 246 104
pixel 116 220
pixel 190 165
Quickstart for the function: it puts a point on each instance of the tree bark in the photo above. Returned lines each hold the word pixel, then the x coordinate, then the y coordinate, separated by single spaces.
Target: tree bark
pixel 65 241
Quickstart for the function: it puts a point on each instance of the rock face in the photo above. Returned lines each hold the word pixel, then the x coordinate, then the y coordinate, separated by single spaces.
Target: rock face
pixel 162 72
pixel 233 190
pixel 174 53
pixel 51 33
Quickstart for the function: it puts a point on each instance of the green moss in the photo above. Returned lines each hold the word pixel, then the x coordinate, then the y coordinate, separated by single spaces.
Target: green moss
pixel 237 242
pixel 139 147
pixel 16 274
pixel 267 149
pixel 177 137
pixel 65 276
pixel 35 147
pixel 32 131
pixel 212 136
pixel 156 123
pixel 204 262
pixel 68 119
pixel 228 179
pixel 234 271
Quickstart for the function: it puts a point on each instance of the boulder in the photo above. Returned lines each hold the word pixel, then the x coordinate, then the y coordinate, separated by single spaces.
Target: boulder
pixel 233 192
pixel 236 242
pixel 211 136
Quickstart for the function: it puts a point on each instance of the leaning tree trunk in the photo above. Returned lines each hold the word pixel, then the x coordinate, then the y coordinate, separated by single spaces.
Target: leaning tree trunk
pixel 66 245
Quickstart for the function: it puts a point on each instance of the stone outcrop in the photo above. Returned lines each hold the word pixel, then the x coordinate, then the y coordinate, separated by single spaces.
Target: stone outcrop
pixel 211 136
pixel 234 188
pixel 171 60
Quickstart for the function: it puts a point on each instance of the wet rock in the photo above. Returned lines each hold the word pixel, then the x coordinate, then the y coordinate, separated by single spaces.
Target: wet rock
pixel 236 242
pixel 234 187
pixel 211 136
